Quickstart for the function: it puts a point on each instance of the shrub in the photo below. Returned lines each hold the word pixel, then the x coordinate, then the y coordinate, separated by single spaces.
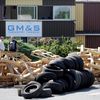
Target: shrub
pixel 61 46
pixel 25 48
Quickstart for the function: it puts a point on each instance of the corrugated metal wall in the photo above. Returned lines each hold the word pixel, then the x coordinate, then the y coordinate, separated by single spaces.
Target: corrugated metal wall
pixel 2 2
pixel 23 2
pixel 80 38
pixel 92 17
pixel 79 10
pixel 2 28
pixel 58 2
pixel 92 41
pixel 73 13
pixel 1 12
pixel 45 12
pixel 58 28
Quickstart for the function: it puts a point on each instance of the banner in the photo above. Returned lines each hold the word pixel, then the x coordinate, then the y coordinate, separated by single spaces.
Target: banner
pixel 23 29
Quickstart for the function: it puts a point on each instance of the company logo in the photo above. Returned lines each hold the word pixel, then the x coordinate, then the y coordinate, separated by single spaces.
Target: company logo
pixel 24 28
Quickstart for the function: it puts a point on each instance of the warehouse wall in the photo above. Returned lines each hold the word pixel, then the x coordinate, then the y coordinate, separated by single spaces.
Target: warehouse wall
pixel 58 2
pixel 58 28
pixel 80 38
pixel 2 2
pixel 79 12
pixel 92 17
pixel 2 28
pixel 1 12
pixel 73 12
pixel 92 41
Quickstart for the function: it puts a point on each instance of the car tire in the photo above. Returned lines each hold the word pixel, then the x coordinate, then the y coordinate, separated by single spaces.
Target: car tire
pixel 70 81
pixel 58 62
pixel 77 77
pixel 32 90
pixel 54 69
pixel 46 92
pixel 19 92
pixel 56 87
pixel 45 77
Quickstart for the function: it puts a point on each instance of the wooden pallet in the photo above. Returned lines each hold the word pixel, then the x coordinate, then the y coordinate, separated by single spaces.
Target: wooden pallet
pixel 91 58
pixel 17 72
pixel 14 56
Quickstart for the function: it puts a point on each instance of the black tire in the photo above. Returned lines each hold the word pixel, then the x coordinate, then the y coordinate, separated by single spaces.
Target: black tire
pixel 32 90
pixel 80 62
pixel 19 92
pixel 83 80
pixel 75 62
pixel 64 83
pixel 77 77
pixel 56 87
pixel 46 92
pixel 54 69
pixel 87 78
pixel 70 81
pixel 45 77
pixel 69 64
pixel 90 78
pixel 58 62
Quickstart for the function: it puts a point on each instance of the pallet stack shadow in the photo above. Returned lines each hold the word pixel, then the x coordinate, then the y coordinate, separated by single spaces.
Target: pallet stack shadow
pixel 59 76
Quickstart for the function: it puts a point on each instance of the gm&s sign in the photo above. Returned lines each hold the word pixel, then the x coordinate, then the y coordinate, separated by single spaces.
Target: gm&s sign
pixel 24 29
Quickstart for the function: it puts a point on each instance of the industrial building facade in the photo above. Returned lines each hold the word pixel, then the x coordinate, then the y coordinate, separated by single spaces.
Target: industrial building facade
pixel 51 18
pixel 47 18
pixel 88 23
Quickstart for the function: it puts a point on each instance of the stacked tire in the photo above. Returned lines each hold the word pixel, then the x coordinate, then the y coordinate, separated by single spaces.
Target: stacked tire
pixel 34 90
pixel 59 76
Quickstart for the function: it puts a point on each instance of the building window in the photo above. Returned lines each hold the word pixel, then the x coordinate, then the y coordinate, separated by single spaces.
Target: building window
pixel 10 12
pixel 62 12
pixel 27 13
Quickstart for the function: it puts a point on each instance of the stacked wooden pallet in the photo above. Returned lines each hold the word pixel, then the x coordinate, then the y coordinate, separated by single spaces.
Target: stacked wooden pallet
pixel 41 53
pixel 15 56
pixel 16 72
pixel 16 68
pixel 91 59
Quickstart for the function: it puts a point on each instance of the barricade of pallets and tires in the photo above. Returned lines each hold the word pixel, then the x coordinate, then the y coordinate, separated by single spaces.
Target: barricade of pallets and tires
pixel 52 74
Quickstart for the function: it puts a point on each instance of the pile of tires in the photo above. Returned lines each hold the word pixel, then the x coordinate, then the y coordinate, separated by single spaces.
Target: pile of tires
pixel 34 90
pixel 59 76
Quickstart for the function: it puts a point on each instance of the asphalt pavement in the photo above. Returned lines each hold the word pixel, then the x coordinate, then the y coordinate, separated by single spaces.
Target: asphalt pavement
pixel 92 93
